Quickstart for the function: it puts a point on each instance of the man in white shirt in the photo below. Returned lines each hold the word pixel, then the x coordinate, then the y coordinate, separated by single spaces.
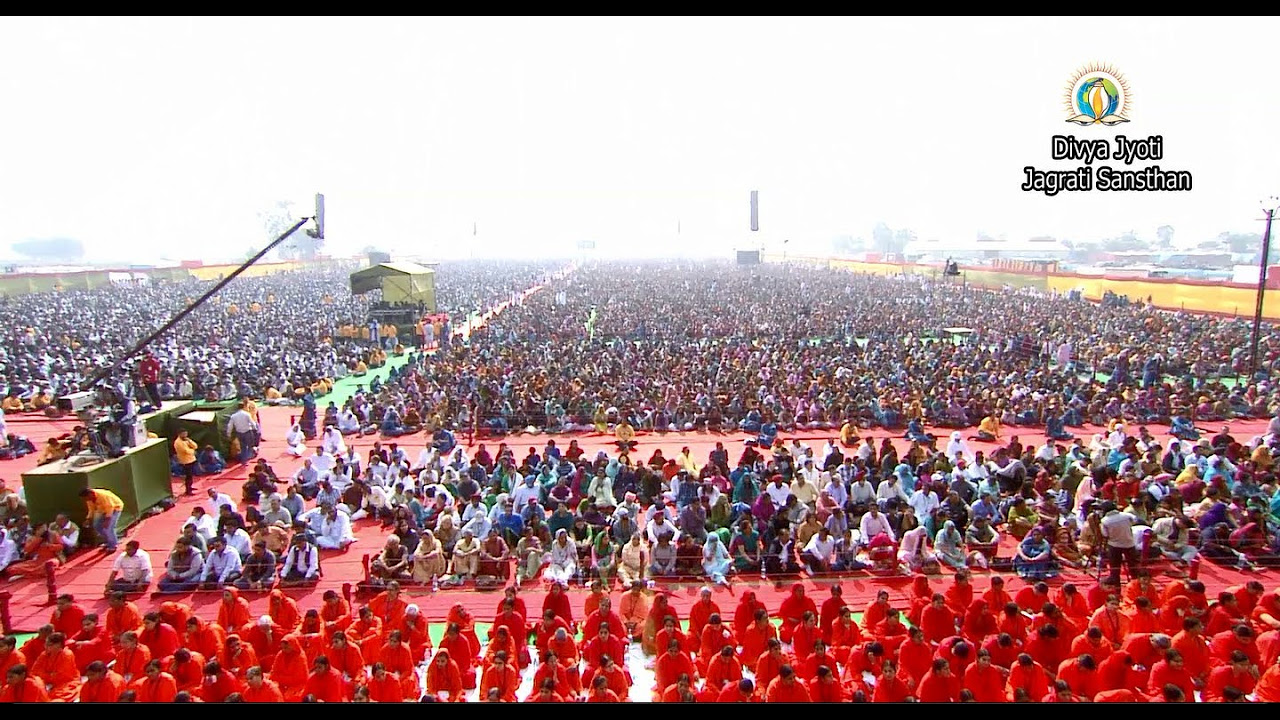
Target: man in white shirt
pixel 240 541
pixel 331 442
pixel 659 527
pixel 242 427
pixel 131 571
pixel 530 489
pixel 836 490
pixel 322 462
pixel 68 533
pixel 307 478
pixel 216 501
pixel 8 549
pixel 205 523
pixel 873 523
pixel 924 501
pixel 1117 530
pixel 335 530
pixel 820 550
pixel 890 489
pixel 301 563
pixel 777 491
pixel 222 567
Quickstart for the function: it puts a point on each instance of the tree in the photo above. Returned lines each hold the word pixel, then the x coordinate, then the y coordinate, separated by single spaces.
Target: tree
pixel 1165 234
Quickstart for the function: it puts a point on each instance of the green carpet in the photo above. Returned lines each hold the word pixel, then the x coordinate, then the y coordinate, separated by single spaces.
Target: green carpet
pixel 345 389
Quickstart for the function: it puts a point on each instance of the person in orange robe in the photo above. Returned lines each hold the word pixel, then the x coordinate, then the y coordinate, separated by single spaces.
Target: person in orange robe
pixel 335 612
pixel 671 631
pixel 237 657
pixel 960 593
pixel 744 615
pixel 1241 638
pixel 565 650
pixel 890 632
pixel 415 632
pixel 959 653
pixel 344 657
pixel 769 663
pixel 265 636
pixel 161 639
pixel 503 641
pixel 443 676
pixel 1141 586
pixel 724 669
pixel 500 676
pixel 397 658
pixel 516 627
pixel 1072 603
pixel 208 639
pixel 283 611
pixel 1048 647
pixel 807 668
pixel 1223 615
pixel 385 687
pixel 122 616
pixel 10 655
pixel 792 611
pixel 1091 643
pixel 891 686
pixel 101 685
pixel 557 601
pixel 545 629
pixel 233 610
pixel 921 597
pixel 462 652
pixel 325 683
pixel 978 623
pixel 388 606
pixel 615 676
pixel 1051 614
pixel 175 615
pixel 714 636
pixel 312 636
pixel 545 693
pixel 755 638
pixel 187 668
pixel 551 669
pixel 218 683
pixel 845 634
pixel 1194 649
pixel 92 643
pixel 1029 676
pixel 1247 595
pixel 1004 649
pixel 132 657
pixel 1098 594
pixel 937 620
pixel 604 643
pixel 1171 671
pixel 1241 674
pixel 1081 674
pixel 984 680
pixel 633 610
pixel 21 687
pixel 1032 599
pixel 57 668
pixel 39 550
pixel 996 596
pixel 1175 610
pixel 593 598
pixel 601 692
pixel 511 592
pixel 290 669
pixel 670 666
pixel 938 684
pixel 915 656
pixel 701 612
pixel 805 635
pixel 366 632
pixel 743 691
pixel 1192 589
pixel 155 685
pixel 679 691
pixel 1142 619
pixel 66 616
pixel 259 689
pixel 1113 623
pixel 786 688
pixel 1267 689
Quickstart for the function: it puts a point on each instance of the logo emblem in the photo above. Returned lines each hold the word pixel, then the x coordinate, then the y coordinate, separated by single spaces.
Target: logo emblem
pixel 1097 95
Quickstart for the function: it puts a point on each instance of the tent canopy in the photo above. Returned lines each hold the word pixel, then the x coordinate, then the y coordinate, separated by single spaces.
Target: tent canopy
pixel 399 282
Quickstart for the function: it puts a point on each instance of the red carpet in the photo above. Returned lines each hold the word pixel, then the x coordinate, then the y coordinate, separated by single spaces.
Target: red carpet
pixel 86 574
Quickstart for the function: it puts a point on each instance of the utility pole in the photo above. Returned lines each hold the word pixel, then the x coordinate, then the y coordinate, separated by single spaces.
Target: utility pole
pixel 1262 289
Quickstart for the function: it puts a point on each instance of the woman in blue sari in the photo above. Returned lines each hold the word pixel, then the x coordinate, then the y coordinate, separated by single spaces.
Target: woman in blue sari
pixel 1034 560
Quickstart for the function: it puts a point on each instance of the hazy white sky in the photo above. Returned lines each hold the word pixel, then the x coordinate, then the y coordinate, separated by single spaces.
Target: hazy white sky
pixel 148 138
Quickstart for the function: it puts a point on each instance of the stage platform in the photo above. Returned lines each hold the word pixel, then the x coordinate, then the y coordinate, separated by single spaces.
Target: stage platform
pixel 86 573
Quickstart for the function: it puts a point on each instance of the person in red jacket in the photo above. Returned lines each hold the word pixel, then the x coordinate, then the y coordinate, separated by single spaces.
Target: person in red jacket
pixel 91 644
pixel 187 668
pixel 787 688
pixel 770 663
pixel 1194 649
pixel 1224 614
pixel 876 611
pixel 915 656
pixel 714 637
pixel 1062 693
pixel 605 642
pixel 985 680
pixel 1113 623
pixel 1091 642
pixel 1004 650
pixel 679 691
pixel 1032 598
pixel 161 639
pixel 724 669
pixel 1072 603
pixel 826 688
pixel 804 636
pixel 1241 674
pixel 1146 649
pixel 755 637
pixel 1241 638
pixel 939 685
pixel 259 689
pixel 670 666
pixel 890 632
pixel 444 680
pixel 385 687
pixel 1171 671
pixel 601 692
pixel 545 693
pixel 701 612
